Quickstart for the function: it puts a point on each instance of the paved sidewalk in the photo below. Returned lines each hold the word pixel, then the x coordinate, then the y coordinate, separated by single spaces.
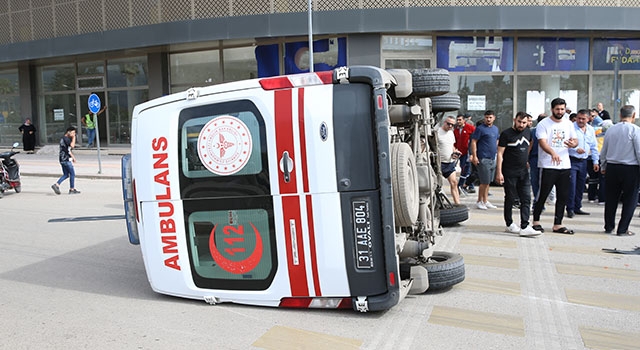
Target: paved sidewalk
pixel 45 162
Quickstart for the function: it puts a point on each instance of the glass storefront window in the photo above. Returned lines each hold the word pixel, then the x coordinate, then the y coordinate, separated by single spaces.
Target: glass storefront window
pixel 602 91
pixel 59 113
pixel 240 63
pixel 199 68
pixel 58 78
pixel 120 109
pixel 10 117
pixel 127 72
pixel 553 54
pixel 486 92
pixel 407 51
pixel 535 92
pixel 90 68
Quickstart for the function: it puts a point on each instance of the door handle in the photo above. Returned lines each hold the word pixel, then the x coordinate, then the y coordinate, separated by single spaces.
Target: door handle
pixel 285 166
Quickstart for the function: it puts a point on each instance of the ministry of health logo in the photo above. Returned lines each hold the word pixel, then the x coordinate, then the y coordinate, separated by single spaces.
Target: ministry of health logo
pixel 224 145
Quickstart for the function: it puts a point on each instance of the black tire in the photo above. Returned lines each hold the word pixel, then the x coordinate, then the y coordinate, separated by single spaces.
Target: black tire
pixel 404 184
pixel 446 103
pixel 445 270
pixel 452 216
pixel 18 189
pixel 430 82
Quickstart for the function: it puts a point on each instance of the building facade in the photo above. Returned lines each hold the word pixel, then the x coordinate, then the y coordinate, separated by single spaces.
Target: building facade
pixel 504 55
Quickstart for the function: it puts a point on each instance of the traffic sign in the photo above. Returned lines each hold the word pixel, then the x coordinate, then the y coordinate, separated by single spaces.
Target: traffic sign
pixel 94 103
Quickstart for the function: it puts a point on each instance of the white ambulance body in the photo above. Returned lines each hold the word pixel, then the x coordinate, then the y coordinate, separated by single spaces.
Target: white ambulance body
pixel 280 192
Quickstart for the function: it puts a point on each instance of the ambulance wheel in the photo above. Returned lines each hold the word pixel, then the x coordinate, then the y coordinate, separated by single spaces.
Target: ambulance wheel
pixel 445 270
pixel 404 183
pixel 451 216
pixel 430 82
pixel 446 103
pixel 18 189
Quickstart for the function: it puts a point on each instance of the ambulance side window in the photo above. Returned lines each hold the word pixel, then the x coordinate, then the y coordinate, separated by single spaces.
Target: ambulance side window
pixel 222 151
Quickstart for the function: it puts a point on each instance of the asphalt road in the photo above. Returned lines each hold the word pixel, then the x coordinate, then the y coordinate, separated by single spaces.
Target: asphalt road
pixel 80 284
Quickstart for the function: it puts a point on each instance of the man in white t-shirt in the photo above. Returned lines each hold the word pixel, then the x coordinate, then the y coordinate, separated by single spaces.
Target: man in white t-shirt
pixel 556 135
pixel 449 155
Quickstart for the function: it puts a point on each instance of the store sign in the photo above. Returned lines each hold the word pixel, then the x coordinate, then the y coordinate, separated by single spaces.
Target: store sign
pixel 58 115
pixel 553 54
pixel 609 52
pixel 476 103
pixel 475 53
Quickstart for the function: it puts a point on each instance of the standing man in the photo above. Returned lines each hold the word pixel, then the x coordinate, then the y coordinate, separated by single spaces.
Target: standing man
pixel 449 155
pixel 594 118
pixel 587 149
pixel 620 162
pixel 602 112
pixel 511 170
pixel 462 133
pixel 67 143
pixel 484 146
pixel 87 121
pixel 555 135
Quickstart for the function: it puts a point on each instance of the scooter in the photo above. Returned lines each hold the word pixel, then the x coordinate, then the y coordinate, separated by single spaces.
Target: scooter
pixel 9 171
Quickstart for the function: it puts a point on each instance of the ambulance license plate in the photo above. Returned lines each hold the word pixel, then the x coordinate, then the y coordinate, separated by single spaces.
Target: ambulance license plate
pixel 362 234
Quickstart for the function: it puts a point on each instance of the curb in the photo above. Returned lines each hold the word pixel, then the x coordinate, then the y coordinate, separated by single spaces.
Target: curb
pixel 90 177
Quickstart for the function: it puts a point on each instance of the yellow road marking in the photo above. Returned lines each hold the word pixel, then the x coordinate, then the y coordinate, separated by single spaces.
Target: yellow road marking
pixel 597 271
pixel 601 299
pixel 490 286
pixel 507 263
pixel 489 242
pixel 476 320
pixel 607 339
pixel 286 338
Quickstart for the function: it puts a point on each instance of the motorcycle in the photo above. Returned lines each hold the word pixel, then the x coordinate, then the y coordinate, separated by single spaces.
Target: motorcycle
pixel 9 171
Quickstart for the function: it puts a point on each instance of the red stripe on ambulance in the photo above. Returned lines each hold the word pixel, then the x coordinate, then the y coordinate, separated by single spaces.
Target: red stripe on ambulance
pixel 305 185
pixel 290 204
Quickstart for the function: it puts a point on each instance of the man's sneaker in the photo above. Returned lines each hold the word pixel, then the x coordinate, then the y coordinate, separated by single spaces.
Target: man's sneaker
pixel 481 206
pixel 489 205
pixel 73 191
pixel 462 191
pixel 529 232
pixel 513 228
pixel 600 203
pixel 470 190
pixel 55 188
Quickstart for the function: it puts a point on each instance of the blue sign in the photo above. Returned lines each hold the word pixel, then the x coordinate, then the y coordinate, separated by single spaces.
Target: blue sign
pixel 606 52
pixel 475 54
pixel 94 103
pixel 550 54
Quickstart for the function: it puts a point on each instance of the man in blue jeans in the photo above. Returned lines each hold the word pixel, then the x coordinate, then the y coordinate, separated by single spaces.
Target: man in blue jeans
pixel 67 142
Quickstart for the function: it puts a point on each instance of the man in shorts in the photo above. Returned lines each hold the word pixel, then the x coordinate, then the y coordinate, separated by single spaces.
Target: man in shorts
pixel 484 147
pixel 449 155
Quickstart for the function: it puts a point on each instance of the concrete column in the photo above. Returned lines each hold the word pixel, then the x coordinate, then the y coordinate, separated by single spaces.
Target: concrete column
pixel 158 63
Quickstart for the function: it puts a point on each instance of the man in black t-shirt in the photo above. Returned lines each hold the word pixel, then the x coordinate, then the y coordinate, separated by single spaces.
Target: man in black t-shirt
pixel 512 171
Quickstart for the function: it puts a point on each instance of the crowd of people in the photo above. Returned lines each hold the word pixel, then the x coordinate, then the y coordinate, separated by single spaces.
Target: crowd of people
pixel 551 163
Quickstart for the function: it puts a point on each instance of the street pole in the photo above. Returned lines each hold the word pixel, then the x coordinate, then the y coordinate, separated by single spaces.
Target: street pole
pixel 310 23
pixel 95 122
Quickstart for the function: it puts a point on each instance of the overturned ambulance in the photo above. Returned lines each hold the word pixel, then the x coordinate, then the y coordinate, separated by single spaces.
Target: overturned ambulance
pixel 319 190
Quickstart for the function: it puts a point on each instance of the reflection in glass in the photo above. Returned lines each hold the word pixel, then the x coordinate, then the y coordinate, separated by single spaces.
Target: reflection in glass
pixel 59 113
pixel 496 90
pixel 90 68
pixel 552 86
pixel 58 78
pixel 127 72
pixel 120 109
pixel 200 68
pixel 240 64
pixel 10 117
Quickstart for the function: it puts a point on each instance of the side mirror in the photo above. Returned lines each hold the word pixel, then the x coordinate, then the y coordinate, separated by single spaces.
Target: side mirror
pixel 16 144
